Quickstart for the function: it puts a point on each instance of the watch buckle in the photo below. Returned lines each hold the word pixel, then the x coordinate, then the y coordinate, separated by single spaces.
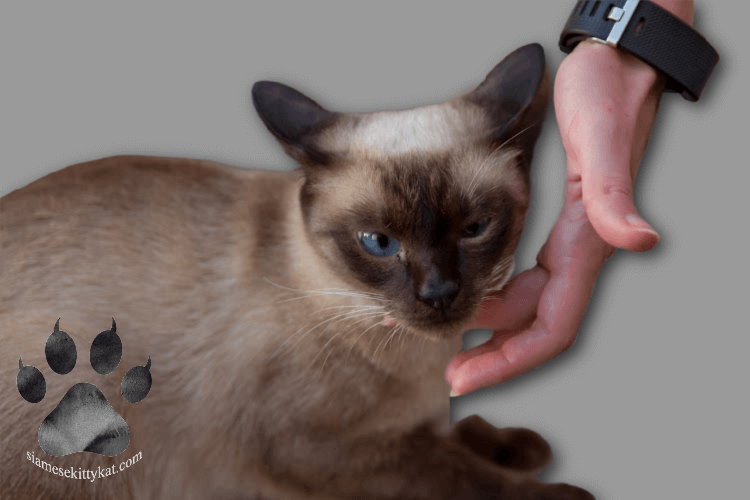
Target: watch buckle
pixel 622 17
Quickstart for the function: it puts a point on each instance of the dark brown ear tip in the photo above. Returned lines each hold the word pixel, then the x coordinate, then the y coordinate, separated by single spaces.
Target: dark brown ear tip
pixel 293 118
pixel 271 92
pixel 531 52
pixel 534 49
pixel 263 90
pixel 264 86
pixel 260 84
pixel 529 57
pixel 516 77
pixel 535 52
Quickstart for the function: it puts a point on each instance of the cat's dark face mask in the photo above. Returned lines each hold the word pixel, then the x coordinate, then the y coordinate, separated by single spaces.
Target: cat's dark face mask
pixel 412 233
pixel 420 209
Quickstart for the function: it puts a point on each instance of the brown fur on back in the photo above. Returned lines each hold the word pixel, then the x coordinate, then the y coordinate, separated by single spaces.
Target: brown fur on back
pixel 165 243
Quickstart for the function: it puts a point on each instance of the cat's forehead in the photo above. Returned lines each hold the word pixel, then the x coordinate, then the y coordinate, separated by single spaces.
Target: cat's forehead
pixel 427 129
pixel 415 189
pixel 454 178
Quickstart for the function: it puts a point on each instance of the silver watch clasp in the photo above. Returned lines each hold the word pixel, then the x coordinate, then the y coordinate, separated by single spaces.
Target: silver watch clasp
pixel 622 17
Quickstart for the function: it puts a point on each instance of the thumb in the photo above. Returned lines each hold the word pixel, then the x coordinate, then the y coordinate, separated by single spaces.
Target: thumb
pixel 607 190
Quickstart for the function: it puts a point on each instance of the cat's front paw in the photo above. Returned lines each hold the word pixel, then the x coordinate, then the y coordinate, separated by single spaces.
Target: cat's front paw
pixel 514 448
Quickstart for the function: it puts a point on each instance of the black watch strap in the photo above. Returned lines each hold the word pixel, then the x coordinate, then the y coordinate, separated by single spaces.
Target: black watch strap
pixel 650 33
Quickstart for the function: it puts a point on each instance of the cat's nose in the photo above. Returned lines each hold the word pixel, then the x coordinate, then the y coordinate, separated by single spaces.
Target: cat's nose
pixel 438 292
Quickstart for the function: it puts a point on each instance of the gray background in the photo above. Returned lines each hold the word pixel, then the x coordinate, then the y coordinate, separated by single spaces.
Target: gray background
pixel 651 402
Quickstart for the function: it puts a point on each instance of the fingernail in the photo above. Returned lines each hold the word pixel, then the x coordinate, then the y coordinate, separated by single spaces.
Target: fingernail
pixel 640 224
pixel 453 393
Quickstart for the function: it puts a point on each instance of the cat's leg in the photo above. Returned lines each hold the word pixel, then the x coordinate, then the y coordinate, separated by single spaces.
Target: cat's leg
pixel 515 448
pixel 423 464
pixel 430 466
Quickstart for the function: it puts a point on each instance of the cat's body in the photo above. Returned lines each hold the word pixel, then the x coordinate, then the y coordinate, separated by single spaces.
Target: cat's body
pixel 287 362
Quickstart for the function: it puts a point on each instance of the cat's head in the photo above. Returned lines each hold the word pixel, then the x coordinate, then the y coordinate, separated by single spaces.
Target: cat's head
pixel 422 207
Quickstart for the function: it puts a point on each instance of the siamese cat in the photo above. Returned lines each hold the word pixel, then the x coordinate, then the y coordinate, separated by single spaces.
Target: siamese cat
pixel 298 323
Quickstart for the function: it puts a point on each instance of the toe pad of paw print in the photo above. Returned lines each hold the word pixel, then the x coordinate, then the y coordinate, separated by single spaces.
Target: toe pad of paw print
pixel 84 420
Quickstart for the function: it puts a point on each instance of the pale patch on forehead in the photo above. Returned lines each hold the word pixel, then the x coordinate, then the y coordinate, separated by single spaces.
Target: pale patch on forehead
pixel 434 128
pixel 474 171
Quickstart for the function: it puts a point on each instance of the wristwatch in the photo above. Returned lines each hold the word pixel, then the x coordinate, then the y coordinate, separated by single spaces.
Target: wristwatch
pixel 650 33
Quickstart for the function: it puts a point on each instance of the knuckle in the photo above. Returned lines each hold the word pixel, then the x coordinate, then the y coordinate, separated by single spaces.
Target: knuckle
pixel 602 196
pixel 617 188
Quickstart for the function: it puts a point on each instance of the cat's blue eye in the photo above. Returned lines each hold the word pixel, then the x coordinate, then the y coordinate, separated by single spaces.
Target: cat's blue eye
pixel 476 228
pixel 378 244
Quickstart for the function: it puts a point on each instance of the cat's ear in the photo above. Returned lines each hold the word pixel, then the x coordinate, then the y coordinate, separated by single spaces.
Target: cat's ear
pixel 515 96
pixel 294 119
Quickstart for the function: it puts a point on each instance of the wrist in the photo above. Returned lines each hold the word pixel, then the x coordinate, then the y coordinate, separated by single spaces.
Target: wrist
pixel 637 73
pixel 633 67
pixel 658 32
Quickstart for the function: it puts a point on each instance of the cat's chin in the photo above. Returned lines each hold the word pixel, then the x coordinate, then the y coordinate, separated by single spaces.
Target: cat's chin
pixel 438 329
pixel 434 331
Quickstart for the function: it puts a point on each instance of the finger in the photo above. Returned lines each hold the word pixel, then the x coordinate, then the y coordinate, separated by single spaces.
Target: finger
pixel 508 354
pixel 514 309
pixel 515 305
pixel 607 178
pixel 472 369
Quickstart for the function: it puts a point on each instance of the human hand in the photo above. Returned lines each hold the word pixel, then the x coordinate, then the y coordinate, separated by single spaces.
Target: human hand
pixel 606 103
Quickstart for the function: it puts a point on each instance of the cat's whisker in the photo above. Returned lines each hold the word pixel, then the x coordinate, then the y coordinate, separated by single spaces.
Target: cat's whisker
pixel 343 316
pixel 311 295
pixel 336 291
pixel 328 291
pixel 281 347
pixel 495 281
pixel 368 314
pixel 472 187
pixel 476 178
pixel 384 343
pixel 519 133
pixel 361 334
pixel 319 294
pixel 332 349
pixel 486 193
pixel 402 334
pixel 350 348
pixel 351 306
pixel 491 297
pixel 357 340
pixel 322 290
pixel 402 337
pixel 388 339
pixel 340 316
